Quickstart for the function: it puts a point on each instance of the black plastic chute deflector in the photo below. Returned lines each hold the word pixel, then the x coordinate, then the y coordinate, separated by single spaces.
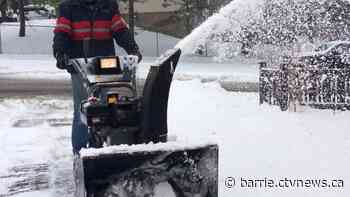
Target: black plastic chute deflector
pixel 155 99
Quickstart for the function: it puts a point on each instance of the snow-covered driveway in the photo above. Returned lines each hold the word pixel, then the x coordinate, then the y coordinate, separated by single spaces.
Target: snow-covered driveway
pixel 255 141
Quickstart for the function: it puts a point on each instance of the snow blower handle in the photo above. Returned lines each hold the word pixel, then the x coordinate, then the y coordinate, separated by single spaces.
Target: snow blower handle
pixel 86 49
pixel 69 65
pixel 129 62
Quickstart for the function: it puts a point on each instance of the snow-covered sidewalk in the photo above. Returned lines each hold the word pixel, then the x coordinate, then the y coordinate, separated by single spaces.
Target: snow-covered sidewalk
pixel 43 67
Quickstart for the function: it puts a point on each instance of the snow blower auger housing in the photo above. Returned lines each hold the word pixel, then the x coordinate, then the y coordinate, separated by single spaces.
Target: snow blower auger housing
pixel 128 153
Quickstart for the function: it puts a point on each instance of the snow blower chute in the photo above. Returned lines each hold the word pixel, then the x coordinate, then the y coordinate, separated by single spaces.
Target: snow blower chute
pixel 128 154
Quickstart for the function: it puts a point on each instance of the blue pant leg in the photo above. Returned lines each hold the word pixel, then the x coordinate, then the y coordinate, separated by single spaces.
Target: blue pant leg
pixel 79 130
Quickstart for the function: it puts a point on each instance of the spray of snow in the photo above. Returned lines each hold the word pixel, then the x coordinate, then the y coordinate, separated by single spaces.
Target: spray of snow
pixel 231 17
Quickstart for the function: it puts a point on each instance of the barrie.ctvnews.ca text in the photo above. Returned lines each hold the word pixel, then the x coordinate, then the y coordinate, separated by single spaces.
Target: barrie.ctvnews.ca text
pixel 243 182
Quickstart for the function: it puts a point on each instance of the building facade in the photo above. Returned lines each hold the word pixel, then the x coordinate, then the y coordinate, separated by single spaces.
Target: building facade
pixel 155 15
pixel 149 6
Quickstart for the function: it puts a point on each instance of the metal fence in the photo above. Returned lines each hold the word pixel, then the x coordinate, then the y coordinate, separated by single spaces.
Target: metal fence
pixel 289 85
pixel 39 38
pixel 0 41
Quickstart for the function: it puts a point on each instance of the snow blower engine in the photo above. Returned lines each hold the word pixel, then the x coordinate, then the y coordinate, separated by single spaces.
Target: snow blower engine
pixel 112 108
pixel 128 153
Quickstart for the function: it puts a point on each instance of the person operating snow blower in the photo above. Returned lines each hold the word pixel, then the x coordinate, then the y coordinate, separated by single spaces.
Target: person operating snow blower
pixel 120 132
pixel 97 23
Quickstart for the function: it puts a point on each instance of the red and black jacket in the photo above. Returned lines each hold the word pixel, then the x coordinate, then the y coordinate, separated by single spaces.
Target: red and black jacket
pixel 98 24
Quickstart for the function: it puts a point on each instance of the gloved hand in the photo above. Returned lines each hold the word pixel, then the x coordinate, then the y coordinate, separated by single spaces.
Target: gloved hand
pixel 63 61
pixel 138 54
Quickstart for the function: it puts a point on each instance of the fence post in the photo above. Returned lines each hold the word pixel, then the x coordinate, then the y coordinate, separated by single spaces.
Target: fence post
pixel 0 41
pixel 262 65
pixel 157 43
pixel 206 49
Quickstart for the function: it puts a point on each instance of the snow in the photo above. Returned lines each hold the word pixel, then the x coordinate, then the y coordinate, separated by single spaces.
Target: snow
pixel 25 148
pixel 260 141
pixel 232 16
pixel 44 67
pixel 151 147
pixel 30 66
pixel 254 141
pixel 36 194
pixel 39 37
pixel 38 40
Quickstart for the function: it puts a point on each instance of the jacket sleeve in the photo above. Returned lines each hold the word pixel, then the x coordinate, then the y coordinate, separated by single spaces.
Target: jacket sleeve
pixel 121 32
pixel 62 31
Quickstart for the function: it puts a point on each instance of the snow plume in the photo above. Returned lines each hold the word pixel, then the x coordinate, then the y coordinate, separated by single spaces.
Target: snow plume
pixel 269 29
pixel 227 21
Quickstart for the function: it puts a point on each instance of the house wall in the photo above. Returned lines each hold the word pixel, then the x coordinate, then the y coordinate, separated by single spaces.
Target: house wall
pixel 153 16
pixel 164 22
pixel 149 6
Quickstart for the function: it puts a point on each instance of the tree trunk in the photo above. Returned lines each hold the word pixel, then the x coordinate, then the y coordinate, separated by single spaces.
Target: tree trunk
pixel 22 28
pixel 188 16
pixel 131 17
pixel 3 7
pixel 3 15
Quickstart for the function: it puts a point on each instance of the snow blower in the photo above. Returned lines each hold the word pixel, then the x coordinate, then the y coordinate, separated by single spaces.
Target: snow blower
pixel 128 154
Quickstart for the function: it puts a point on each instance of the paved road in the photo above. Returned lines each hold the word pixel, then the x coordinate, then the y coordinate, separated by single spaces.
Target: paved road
pixel 37 87
pixel 33 87
pixel 10 87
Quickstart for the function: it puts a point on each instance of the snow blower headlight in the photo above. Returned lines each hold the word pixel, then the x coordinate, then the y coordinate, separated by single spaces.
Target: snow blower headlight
pixel 112 99
pixel 107 65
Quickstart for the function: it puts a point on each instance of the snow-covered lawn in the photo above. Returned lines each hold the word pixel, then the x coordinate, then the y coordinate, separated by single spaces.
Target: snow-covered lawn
pixel 256 142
